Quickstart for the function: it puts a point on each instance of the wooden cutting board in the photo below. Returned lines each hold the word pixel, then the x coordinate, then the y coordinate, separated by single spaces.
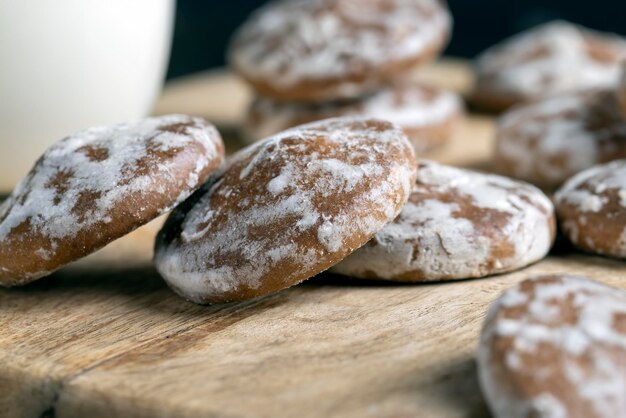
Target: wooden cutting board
pixel 106 338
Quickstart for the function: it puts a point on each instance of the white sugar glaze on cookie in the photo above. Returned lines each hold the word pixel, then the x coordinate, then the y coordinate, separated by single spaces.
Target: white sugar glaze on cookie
pixel 555 346
pixel 458 224
pixel 286 208
pixel 596 181
pixel 409 106
pixel 79 183
pixel 293 40
pixel 592 206
pixel 548 141
pixel 556 57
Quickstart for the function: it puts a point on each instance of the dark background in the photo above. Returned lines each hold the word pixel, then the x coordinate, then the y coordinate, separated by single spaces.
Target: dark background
pixel 204 27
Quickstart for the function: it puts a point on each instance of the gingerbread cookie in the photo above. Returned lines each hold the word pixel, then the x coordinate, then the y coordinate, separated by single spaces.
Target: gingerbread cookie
pixel 555 346
pixel 286 209
pixel 548 141
pixel 458 224
pixel 554 58
pixel 320 50
pixel 592 209
pixel 427 115
pixel 98 185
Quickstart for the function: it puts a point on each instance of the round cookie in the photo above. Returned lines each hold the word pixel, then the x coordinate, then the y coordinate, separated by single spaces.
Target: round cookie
pixel 321 50
pixel 286 209
pixel 555 346
pixel 458 224
pixel 98 185
pixel 553 58
pixel 428 116
pixel 592 209
pixel 548 141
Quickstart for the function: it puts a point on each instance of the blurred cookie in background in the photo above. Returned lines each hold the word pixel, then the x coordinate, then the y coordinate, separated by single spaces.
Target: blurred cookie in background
pixel 548 141
pixel 553 58
pixel 428 116
pixel 325 50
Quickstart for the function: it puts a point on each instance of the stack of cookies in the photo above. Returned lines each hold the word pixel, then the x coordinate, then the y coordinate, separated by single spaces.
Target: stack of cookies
pixel 314 59
pixel 561 89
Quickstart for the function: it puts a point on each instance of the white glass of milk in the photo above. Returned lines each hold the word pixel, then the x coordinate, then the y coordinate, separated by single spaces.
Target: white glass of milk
pixel 67 65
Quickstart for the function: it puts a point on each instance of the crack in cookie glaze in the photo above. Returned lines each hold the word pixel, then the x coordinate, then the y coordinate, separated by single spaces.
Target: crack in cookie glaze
pixel 98 185
pixel 547 142
pixel 554 58
pixel 285 209
pixel 555 346
pixel 314 50
pixel 592 209
pixel 458 224
pixel 427 115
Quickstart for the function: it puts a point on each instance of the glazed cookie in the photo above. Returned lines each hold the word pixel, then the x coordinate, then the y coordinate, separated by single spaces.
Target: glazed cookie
pixel 555 346
pixel 286 209
pixel 553 58
pixel 427 115
pixel 592 209
pixel 458 224
pixel 98 185
pixel 320 50
pixel 547 142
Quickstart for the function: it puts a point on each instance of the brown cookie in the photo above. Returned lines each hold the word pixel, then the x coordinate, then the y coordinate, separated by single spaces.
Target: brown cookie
pixel 555 346
pixel 548 141
pixel 427 115
pixel 554 58
pixel 98 185
pixel 286 209
pixel 592 209
pixel 320 50
pixel 458 224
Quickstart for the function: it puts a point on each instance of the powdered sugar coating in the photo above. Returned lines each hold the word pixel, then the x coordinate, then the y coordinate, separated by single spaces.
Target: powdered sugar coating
pixel 289 42
pixel 98 185
pixel 548 141
pixel 286 208
pixel 458 224
pixel 412 107
pixel 592 209
pixel 554 58
pixel 555 346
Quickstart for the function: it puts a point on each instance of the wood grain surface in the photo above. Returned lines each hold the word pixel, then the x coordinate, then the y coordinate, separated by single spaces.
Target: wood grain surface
pixel 105 337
